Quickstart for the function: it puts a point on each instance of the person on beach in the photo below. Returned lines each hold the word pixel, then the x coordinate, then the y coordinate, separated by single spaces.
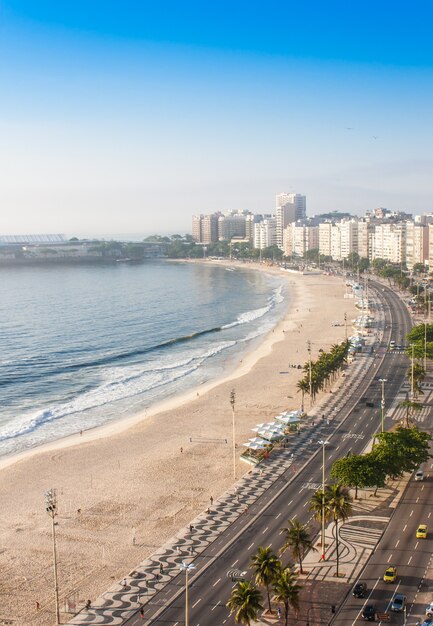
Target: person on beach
pixel 161 568
pixel 211 500
pixel 124 583
pixel 88 604
pixel 142 611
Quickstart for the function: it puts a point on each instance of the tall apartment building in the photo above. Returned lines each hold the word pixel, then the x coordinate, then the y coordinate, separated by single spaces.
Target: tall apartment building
pixel 265 233
pixel 290 207
pixel 205 228
pixel 389 242
pixel 298 238
pixel 417 244
pixel 232 224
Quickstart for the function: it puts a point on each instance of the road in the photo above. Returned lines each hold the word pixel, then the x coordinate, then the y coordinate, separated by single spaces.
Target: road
pixel 351 428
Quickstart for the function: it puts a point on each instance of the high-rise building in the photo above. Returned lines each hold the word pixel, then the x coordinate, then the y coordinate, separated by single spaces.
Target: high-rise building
pixel 265 233
pixel 290 207
pixel 205 228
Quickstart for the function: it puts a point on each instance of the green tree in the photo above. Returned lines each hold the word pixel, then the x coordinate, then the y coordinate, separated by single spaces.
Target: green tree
pixel 297 540
pixel 353 471
pixel 245 602
pixel 266 566
pixel 287 591
pixel 411 407
pixel 403 450
pixel 339 501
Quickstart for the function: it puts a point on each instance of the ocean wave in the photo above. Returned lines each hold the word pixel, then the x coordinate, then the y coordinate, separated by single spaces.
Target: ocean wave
pixel 107 359
pixel 250 316
pixel 120 384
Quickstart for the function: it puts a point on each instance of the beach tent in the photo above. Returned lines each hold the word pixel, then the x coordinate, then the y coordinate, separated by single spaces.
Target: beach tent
pixel 270 435
pixel 288 419
pixel 254 446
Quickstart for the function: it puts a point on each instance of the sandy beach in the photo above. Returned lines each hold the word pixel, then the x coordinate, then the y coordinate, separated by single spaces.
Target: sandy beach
pixel 125 488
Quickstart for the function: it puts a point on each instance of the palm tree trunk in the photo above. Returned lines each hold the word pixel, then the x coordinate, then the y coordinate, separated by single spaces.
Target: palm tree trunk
pixel 269 599
pixel 356 492
pixel 300 564
pixel 336 544
pixel 286 610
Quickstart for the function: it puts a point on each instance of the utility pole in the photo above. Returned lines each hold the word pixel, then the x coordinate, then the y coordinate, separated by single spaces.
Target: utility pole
pixel 232 402
pixel 412 374
pixel 382 402
pixel 323 443
pixel 309 369
pixel 51 508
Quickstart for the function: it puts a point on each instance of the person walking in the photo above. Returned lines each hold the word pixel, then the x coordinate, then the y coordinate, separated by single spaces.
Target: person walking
pixel 211 500
pixel 161 568
pixel 124 583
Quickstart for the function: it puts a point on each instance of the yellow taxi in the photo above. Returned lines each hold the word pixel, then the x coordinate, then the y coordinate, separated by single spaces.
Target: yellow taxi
pixel 390 575
pixel 421 532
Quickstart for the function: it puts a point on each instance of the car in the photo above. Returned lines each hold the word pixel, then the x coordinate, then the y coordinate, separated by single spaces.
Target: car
pixel 369 612
pixel 399 602
pixel 390 575
pixel 429 610
pixel 419 475
pixel 427 622
pixel 360 589
pixel 421 532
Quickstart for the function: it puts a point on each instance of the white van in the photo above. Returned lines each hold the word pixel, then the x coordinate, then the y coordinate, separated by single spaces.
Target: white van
pixel 419 475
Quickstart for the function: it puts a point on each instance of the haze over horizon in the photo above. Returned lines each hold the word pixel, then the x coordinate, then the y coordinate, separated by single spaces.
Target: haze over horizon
pixel 130 117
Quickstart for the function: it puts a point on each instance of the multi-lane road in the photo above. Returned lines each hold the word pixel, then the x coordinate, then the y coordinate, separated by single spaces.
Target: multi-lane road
pixel 352 425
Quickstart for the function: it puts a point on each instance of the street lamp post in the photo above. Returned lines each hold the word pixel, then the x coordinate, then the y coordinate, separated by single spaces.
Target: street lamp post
pixel 51 508
pixel 382 402
pixel 186 567
pixel 232 402
pixel 323 443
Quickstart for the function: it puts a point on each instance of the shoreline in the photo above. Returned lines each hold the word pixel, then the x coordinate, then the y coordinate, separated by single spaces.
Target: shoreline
pixel 124 490
pixel 114 427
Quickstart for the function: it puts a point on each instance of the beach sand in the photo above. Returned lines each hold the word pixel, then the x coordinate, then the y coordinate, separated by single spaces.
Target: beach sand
pixel 125 488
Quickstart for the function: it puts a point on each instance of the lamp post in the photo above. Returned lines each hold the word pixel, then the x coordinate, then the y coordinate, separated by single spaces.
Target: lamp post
pixel 186 567
pixel 232 402
pixel 323 443
pixel 51 508
pixel 382 402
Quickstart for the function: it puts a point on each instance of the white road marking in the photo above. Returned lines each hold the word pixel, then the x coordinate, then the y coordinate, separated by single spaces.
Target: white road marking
pixel 290 502
pixel 405 527
pixel 411 513
pixel 409 560
pixel 199 600
pixel 390 557
pixel 428 517
pixel 417 500
pixel 216 605
pixel 263 532
pixel 416 545
pixel 398 541
pixel 249 547
pixel 277 516
pixel 215 584
pixel 233 564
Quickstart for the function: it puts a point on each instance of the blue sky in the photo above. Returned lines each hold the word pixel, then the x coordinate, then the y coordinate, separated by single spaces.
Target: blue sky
pixel 128 117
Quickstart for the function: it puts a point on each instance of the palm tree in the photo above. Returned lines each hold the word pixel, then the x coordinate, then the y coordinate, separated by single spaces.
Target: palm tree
pixel 298 540
pixel 266 565
pixel 317 506
pixel 411 407
pixel 287 590
pixel 246 600
pixel 340 506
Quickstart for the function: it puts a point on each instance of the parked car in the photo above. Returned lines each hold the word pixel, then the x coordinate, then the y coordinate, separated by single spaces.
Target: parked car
pixel 390 575
pixel 398 602
pixel 421 532
pixel 419 475
pixel 369 612
pixel 429 610
pixel 360 589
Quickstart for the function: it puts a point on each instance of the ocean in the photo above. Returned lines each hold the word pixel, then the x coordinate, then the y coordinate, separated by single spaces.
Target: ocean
pixel 84 345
